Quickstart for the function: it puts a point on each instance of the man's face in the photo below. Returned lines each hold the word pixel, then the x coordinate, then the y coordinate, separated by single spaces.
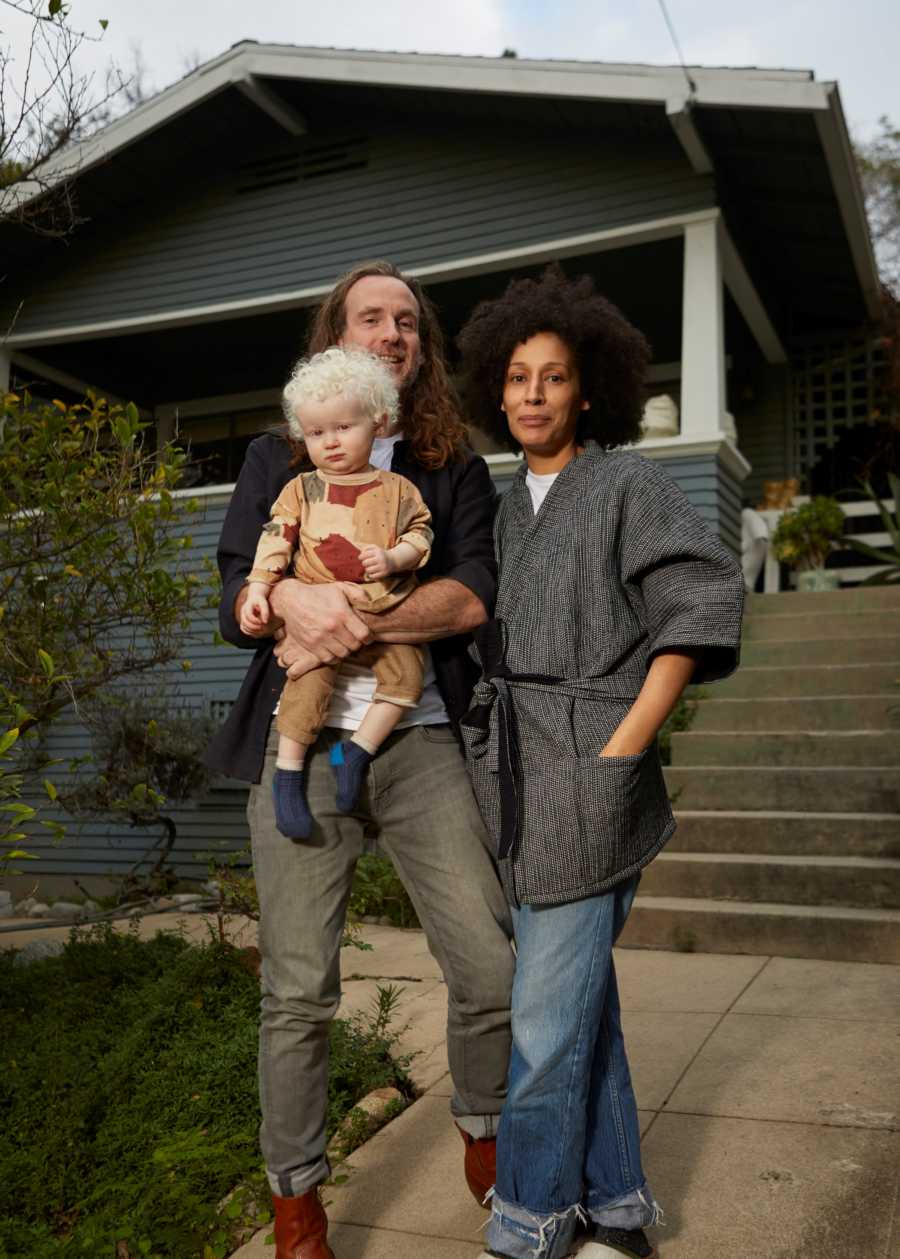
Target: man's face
pixel 383 318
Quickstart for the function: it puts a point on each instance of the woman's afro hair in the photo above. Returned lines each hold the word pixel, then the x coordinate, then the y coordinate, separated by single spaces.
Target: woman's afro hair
pixel 611 354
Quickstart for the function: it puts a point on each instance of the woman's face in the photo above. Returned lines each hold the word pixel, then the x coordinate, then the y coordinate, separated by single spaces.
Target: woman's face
pixel 542 401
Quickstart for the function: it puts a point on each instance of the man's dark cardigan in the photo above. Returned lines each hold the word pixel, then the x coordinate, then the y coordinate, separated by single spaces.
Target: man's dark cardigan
pixel 461 499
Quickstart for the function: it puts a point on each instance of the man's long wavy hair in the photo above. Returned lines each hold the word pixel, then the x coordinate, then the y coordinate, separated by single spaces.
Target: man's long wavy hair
pixel 429 409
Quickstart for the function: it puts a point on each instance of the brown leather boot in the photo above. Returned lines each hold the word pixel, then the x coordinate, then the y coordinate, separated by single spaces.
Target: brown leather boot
pixel 480 1164
pixel 301 1226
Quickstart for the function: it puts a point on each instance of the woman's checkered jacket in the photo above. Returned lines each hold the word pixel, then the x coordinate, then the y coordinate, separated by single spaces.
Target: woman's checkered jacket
pixel 615 567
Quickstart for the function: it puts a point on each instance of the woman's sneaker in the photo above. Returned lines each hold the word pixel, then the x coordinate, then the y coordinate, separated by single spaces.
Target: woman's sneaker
pixel 616 1243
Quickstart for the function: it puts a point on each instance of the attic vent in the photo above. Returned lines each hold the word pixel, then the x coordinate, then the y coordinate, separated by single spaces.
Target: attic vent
pixel 269 172
pixel 339 155
pixel 314 162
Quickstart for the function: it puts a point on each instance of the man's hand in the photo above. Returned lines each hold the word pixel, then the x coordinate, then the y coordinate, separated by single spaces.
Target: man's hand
pixel 293 658
pixel 320 619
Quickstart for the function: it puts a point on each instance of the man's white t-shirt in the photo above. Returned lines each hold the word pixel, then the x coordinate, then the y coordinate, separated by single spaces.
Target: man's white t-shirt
pixel 355 685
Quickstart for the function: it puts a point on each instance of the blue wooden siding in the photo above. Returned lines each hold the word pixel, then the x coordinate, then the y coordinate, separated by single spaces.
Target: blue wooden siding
pixel 417 199
pixel 764 431
pixel 216 824
pixel 713 491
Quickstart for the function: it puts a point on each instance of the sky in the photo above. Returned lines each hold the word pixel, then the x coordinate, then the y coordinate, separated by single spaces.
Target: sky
pixel 856 44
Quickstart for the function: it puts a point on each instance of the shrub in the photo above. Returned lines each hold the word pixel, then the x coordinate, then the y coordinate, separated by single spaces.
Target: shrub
pixel 805 536
pixel 129 1096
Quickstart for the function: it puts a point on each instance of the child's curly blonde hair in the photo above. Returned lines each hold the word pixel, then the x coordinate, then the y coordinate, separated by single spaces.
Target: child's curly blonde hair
pixel 352 374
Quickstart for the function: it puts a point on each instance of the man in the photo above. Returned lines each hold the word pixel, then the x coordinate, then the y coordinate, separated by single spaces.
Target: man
pixel 417 801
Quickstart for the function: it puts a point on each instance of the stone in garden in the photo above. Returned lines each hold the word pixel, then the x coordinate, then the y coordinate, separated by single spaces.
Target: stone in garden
pixel 6 905
pixel 37 951
pixel 23 907
pixel 188 898
pixel 211 887
pixel 65 909
pixel 39 910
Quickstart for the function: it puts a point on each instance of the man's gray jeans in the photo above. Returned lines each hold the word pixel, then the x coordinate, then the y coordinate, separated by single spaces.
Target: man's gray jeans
pixel 419 804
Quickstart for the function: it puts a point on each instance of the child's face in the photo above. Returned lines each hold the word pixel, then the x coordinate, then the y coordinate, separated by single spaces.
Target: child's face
pixel 338 434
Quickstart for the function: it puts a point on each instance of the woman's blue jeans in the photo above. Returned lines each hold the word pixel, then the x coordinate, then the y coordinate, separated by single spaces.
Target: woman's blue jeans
pixel 568 1143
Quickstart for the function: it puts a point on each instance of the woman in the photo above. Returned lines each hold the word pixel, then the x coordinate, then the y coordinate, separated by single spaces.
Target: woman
pixel 613 597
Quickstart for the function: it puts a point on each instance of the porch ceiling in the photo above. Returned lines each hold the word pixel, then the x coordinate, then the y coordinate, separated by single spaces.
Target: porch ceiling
pixel 253 353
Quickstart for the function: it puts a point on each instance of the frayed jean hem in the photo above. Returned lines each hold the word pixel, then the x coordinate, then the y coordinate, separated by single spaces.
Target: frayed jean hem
pixel 638 1209
pixel 518 1233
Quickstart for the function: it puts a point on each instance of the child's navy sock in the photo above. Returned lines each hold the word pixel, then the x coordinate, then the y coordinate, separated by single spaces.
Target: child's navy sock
pixel 292 815
pixel 349 762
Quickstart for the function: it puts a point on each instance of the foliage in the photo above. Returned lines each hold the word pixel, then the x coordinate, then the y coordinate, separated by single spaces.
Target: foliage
pixel 891 522
pixel 46 103
pixel 93 584
pixel 879 167
pixel 14 812
pixel 379 892
pixel 238 897
pixel 129 1097
pixel 805 536
pixel 680 718
pixel 147 754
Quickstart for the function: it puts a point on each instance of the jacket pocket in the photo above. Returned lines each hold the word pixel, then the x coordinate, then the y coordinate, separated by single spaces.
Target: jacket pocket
pixel 623 810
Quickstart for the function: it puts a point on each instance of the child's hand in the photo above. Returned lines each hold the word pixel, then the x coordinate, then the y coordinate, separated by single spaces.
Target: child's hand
pixel 255 613
pixel 376 562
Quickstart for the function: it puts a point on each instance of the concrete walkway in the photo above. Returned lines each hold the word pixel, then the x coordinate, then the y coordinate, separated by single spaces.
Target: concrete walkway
pixel 770 1104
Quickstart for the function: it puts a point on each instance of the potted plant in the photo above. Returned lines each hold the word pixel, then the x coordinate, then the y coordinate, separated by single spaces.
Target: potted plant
pixel 805 536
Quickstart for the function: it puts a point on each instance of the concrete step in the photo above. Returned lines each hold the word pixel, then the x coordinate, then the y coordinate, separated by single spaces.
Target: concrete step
pixel 694 924
pixel 868 748
pixel 862 882
pixel 830 625
pixel 822 651
pixel 787 834
pixel 835 712
pixel 855 599
pixel 833 790
pixel 780 681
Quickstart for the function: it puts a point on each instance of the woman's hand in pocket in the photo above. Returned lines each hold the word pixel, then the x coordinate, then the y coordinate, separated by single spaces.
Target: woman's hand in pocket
pixel 621 745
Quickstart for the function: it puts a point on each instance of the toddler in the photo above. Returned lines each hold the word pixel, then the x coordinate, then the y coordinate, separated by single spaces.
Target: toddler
pixel 351 523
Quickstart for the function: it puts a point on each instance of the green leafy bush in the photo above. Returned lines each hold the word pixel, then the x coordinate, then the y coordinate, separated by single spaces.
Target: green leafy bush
pixel 129 1095
pixel 378 892
pixel 805 536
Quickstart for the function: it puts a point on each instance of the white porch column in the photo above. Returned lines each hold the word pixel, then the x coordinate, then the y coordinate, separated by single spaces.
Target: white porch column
pixel 5 369
pixel 702 333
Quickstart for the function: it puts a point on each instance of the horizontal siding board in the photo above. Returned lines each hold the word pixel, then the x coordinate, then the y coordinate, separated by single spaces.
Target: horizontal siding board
pixel 417 202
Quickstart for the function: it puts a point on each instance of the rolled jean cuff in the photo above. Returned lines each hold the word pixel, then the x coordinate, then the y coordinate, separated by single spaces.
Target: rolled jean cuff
pixel 477 1126
pixel 522 1234
pixel 293 1184
pixel 637 1209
